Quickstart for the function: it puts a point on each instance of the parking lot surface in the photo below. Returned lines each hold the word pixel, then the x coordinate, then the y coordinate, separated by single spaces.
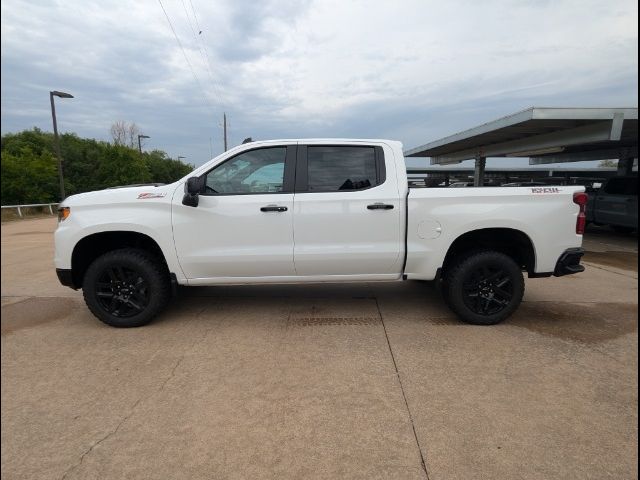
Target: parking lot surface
pixel 323 381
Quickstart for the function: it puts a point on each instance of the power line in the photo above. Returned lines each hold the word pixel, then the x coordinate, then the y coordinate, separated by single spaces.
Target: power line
pixel 198 40
pixel 184 6
pixel 216 85
pixel 185 55
pixel 195 16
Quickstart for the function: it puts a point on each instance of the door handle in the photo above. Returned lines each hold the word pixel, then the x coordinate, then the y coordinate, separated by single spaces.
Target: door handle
pixel 380 206
pixel 273 208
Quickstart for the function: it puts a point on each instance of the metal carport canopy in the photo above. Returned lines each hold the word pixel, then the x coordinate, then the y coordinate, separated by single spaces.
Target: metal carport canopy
pixel 545 135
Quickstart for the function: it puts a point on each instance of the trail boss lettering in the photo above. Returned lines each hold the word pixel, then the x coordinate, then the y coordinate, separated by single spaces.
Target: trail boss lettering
pixel 545 190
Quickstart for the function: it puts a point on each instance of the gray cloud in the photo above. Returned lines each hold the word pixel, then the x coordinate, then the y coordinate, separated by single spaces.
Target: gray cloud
pixel 411 70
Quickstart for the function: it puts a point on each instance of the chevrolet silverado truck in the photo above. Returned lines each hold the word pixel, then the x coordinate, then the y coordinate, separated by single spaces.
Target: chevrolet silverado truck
pixel 320 210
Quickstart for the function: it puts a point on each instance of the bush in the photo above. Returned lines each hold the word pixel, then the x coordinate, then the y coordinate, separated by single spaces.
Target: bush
pixel 30 175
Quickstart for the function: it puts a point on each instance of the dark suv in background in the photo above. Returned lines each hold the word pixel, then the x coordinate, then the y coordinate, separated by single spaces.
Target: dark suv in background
pixel 615 204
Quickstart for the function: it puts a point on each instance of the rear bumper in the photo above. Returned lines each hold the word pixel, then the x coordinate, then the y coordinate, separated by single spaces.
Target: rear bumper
pixel 569 262
pixel 66 277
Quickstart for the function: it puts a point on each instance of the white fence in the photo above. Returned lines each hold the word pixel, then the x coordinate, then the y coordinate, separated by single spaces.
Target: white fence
pixel 19 207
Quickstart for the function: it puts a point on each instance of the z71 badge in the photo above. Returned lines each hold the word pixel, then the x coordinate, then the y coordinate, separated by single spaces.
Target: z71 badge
pixel 143 196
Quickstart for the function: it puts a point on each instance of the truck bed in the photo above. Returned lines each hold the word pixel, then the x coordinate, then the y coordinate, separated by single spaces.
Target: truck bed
pixel 436 217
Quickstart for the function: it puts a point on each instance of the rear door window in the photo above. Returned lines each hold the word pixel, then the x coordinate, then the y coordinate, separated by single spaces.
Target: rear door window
pixel 342 168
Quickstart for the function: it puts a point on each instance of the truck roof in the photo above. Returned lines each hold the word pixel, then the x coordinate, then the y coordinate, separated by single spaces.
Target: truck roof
pixel 323 140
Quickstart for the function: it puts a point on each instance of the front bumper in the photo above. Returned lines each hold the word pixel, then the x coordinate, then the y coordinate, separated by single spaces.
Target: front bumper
pixel 569 262
pixel 66 277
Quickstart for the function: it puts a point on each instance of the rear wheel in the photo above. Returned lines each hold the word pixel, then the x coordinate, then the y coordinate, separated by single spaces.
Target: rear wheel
pixel 484 288
pixel 126 288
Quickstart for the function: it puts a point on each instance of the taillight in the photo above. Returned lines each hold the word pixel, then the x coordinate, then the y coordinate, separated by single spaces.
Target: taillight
pixel 580 199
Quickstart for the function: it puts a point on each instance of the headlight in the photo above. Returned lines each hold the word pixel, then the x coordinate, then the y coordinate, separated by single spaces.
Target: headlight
pixel 63 213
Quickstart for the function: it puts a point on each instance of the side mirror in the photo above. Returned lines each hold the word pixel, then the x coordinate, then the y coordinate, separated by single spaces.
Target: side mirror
pixel 192 189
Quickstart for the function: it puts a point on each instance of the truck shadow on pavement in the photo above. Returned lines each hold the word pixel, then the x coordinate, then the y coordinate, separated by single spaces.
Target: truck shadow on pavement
pixel 420 302
pixel 340 304
pixel 612 258
pixel 34 311
pixel 588 323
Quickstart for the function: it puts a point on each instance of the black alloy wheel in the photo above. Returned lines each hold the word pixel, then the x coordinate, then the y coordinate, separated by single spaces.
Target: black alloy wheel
pixel 122 291
pixel 483 287
pixel 488 290
pixel 126 287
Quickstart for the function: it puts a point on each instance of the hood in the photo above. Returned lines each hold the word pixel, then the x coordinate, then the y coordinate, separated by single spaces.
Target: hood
pixel 124 194
pixel 138 185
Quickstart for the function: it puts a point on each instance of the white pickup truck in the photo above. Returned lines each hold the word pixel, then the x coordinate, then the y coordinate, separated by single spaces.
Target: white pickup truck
pixel 319 210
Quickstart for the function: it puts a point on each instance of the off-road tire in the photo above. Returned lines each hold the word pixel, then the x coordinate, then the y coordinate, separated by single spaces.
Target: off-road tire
pixel 148 275
pixel 460 287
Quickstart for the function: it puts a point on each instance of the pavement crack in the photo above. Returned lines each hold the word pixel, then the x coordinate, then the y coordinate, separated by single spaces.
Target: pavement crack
pixel 404 396
pixel 173 370
pixel 107 436
pixel 599 267
pixel 136 403
pixel 184 354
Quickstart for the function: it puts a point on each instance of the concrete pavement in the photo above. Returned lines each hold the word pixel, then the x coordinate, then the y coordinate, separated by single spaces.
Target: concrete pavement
pixel 327 381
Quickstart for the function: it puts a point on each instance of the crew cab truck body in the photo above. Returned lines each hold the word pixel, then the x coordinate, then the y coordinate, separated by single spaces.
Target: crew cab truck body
pixel 319 210
pixel 615 204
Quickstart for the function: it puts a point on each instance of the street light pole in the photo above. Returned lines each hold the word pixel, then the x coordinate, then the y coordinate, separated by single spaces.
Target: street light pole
pixel 140 144
pixel 56 142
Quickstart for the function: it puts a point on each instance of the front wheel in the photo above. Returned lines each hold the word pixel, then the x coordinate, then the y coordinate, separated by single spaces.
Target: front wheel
pixel 126 288
pixel 484 288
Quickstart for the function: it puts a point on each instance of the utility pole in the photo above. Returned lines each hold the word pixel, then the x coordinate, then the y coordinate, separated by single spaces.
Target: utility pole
pixel 225 130
pixel 140 144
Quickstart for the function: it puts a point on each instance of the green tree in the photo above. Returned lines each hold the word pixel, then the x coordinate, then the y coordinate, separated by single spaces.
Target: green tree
pixel 122 166
pixel 83 159
pixel 608 163
pixel 36 140
pixel 88 164
pixel 28 177
pixel 164 169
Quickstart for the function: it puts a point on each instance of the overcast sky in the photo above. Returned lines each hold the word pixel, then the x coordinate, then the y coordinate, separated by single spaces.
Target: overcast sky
pixel 407 70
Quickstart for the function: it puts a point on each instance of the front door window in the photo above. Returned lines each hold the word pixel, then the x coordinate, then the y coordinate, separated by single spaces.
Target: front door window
pixel 255 171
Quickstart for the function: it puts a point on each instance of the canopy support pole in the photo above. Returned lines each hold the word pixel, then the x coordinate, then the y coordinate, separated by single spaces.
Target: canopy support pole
pixel 478 174
pixel 625 166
